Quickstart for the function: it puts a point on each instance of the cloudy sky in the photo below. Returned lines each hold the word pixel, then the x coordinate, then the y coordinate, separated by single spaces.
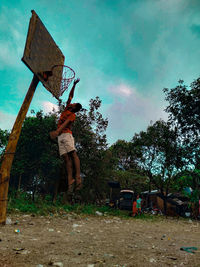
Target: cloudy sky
pixel 124 51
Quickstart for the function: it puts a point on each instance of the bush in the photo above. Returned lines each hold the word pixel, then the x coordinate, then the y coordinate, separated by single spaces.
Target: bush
pixel 22 202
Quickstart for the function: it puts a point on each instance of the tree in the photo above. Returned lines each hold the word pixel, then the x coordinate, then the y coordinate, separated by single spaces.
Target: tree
pixel 121 150
pixel 36 163
pixel 130 179
pixel 125 169
pixel 4 135
pixel 188 183
pixel 184 116
pixel 89 131
pixel 158 155
pixel 189 179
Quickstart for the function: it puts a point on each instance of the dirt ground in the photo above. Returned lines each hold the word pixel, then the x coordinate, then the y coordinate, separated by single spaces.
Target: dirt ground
pixel 91 241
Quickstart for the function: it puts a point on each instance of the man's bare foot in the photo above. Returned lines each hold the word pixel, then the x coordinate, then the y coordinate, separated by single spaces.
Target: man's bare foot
pixel 79 184
pixel 71 187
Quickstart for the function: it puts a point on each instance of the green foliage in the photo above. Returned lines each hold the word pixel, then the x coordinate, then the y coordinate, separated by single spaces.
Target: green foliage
pixel 24 204
pixel 89 131
pixel 157 154
pixel 131 179
pixel 184 116
pixel 36 164
pixel 4 135
pixel 184 106
pixel 125 168
pixel 189 179
pixel 121 151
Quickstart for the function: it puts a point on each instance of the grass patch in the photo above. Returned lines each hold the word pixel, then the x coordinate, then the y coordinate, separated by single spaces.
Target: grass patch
pixel 23 203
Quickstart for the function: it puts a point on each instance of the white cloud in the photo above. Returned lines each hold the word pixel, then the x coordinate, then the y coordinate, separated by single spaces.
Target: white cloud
pixel 8 55
pixel 136 105
pixel 12 38
pixel 48 106
pixel 131 112
pixel 6 120
pixel 121 90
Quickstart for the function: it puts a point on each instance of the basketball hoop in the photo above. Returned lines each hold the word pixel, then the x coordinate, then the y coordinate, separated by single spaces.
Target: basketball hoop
pixel 63 75
pixel 58 78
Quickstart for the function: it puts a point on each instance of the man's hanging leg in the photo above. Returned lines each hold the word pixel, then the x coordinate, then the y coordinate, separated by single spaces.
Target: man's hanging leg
pixel 68 162
pixel 77 169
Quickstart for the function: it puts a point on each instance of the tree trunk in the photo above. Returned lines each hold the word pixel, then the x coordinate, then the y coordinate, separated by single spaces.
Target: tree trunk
pixel 165 205
pixel 19 185
pixel 148 197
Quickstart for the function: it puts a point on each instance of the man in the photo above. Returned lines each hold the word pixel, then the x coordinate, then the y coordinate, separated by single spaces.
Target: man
pixel 138 204
pixel 66 141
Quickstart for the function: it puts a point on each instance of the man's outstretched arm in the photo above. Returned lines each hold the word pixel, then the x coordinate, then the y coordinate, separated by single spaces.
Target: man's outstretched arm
pixel 71 94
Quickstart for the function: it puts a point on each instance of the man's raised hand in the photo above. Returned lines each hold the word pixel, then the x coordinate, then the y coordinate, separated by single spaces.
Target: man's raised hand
pixel 76 81
pixel 71 94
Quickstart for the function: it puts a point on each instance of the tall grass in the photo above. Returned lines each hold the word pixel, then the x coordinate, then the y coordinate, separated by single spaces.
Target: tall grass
pixel 23 203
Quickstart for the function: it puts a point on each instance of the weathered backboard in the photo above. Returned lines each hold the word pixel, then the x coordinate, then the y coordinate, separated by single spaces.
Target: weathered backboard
pixel 41 53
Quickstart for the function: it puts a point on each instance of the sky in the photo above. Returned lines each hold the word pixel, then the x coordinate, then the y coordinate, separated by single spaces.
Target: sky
pixel 124 51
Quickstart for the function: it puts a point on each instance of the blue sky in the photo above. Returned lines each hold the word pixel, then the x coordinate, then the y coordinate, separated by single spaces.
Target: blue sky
pixel 124 51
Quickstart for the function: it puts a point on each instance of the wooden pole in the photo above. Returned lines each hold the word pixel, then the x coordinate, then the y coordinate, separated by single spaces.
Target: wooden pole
pixel 11 148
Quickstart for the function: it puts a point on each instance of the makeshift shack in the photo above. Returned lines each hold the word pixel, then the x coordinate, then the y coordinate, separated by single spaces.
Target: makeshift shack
pixel 114 193
pixel 177 204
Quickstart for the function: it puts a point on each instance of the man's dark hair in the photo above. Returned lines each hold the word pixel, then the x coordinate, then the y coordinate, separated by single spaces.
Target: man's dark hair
pixel 78 107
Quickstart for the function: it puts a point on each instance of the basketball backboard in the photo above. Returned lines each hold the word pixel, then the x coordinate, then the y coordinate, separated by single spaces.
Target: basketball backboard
pixel 41 54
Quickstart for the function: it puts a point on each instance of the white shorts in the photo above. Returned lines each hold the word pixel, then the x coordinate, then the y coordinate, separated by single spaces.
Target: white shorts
pixel 66 143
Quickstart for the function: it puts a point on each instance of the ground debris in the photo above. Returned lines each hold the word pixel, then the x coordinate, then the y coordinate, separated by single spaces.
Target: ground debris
pixel 8 221
pixel 99 213
pixel 152 260
pixel 57 264
pixel 99 243
pixel 172 258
